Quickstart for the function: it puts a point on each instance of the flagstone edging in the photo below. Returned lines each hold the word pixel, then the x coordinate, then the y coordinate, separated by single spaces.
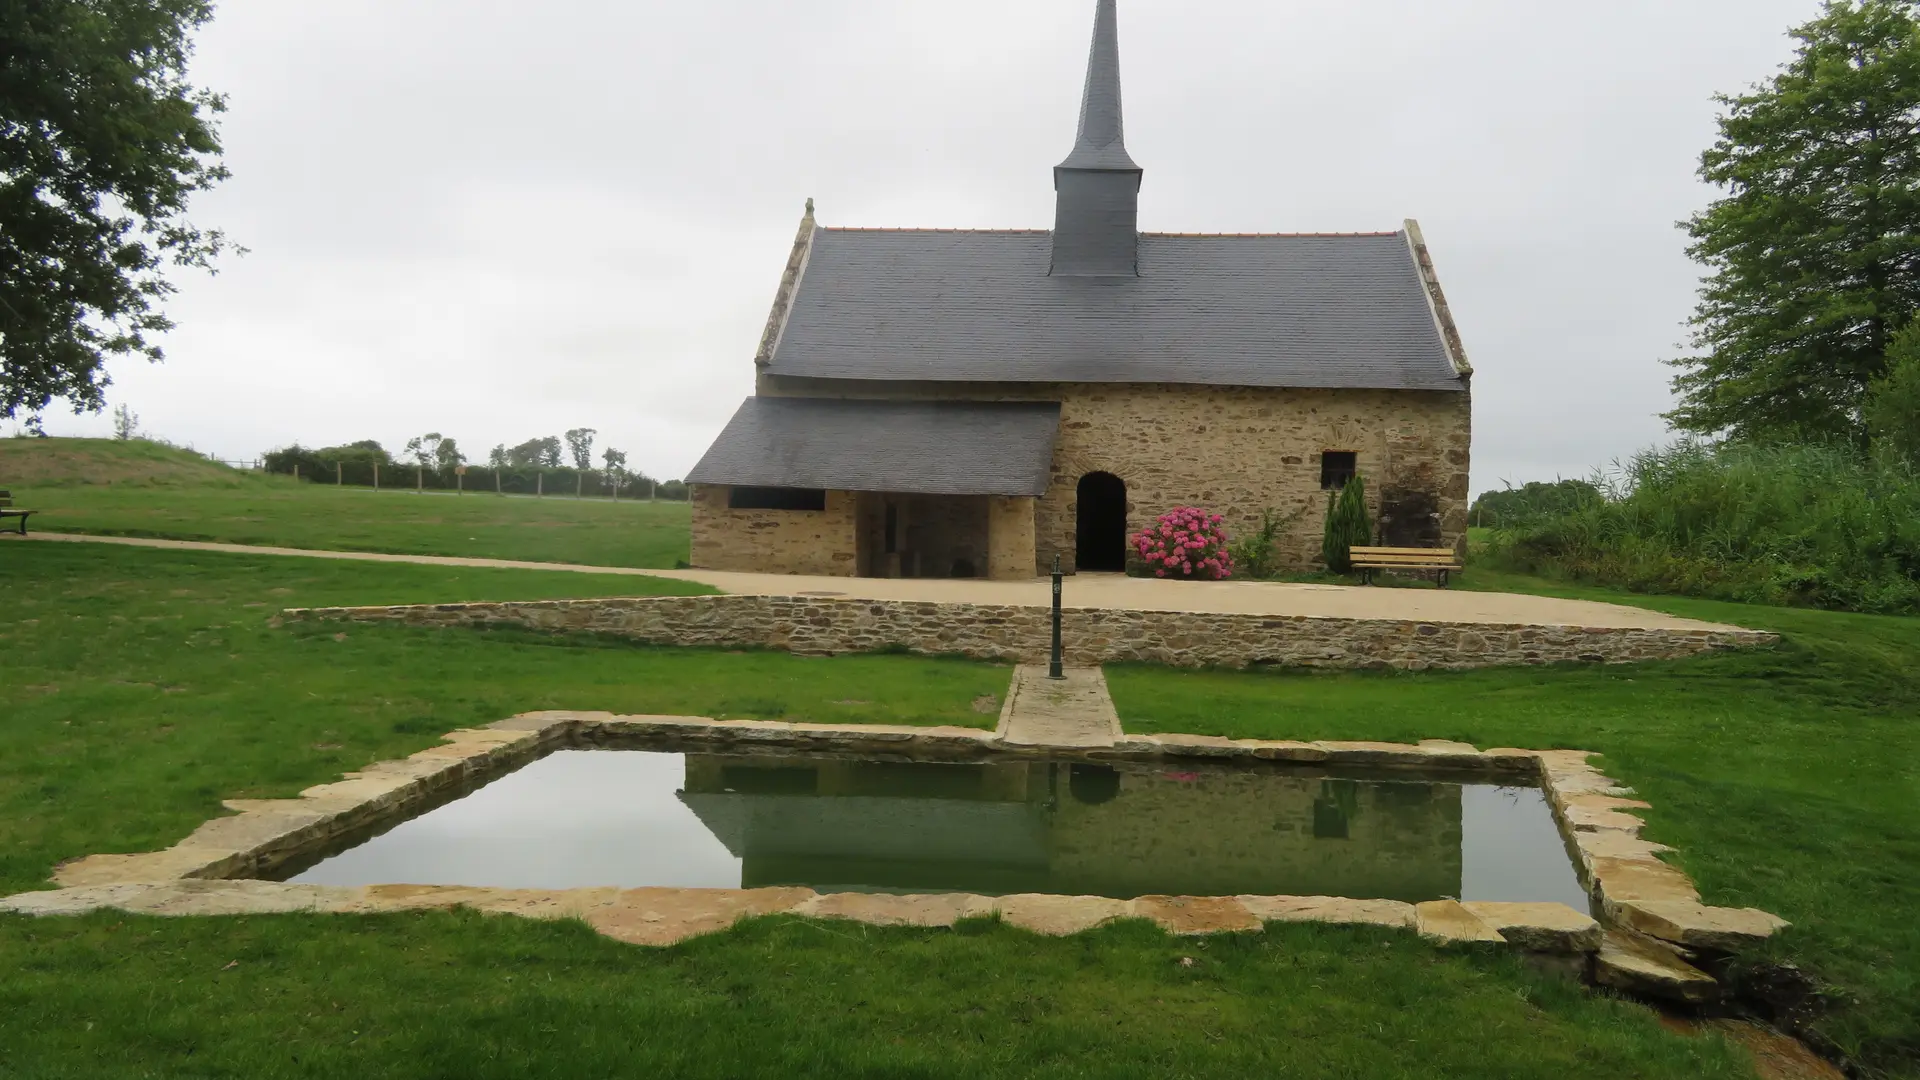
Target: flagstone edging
pixel 1651 923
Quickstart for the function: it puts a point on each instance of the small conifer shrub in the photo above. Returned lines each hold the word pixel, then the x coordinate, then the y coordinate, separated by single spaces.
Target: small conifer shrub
pixel 1348 526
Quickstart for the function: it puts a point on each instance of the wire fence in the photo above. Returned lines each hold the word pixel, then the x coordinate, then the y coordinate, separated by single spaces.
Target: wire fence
pixel 482 479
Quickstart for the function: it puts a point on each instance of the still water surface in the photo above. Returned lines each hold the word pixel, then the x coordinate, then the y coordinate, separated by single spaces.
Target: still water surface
pixel 630 818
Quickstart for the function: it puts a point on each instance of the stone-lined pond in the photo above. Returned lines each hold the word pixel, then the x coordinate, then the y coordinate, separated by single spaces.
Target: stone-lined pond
pixel 630 818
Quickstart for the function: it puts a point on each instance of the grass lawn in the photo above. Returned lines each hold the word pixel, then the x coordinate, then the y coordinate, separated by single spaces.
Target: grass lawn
pixel 142 687
pixel 138 489
pixel 145 686
pixel 468 996
pixel 1788 779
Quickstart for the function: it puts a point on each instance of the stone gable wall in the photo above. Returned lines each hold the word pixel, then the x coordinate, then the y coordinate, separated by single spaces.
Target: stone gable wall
pixel 826 626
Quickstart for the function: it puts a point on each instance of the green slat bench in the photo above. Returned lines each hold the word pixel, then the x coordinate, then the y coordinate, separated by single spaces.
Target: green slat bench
pixel 1440 561
pixel 7 511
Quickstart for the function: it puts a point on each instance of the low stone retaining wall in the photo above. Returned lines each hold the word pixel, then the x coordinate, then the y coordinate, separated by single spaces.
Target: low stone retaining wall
pixel 1092 636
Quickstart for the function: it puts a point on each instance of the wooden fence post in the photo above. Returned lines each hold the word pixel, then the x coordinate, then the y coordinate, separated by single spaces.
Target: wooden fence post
pixel 496 483
pixel 419 479
pixel 579 484
pixel 539 484
pixel 376 476
pixel 337 474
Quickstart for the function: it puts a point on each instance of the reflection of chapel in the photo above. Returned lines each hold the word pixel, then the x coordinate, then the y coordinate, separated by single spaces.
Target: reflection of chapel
pixel 968 403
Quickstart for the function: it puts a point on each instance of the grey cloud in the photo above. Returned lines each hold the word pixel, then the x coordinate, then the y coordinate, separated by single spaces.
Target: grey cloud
pixel 501 220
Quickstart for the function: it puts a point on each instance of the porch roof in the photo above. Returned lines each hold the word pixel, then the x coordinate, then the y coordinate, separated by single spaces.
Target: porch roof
pixel 911 447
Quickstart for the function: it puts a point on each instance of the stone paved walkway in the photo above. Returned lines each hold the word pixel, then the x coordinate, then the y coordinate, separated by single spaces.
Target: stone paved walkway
pixel 1109 591
pixel 1072 712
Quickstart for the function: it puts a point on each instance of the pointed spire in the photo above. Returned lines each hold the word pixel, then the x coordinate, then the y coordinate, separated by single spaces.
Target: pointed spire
pixel 1097 189
pixel 1102 139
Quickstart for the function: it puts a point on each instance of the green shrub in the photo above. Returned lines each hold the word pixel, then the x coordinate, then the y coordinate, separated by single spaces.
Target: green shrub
pixel 1819 526
pixel 1348 526
pixel 1253 554
pixel 1893 404
pixel 1532 502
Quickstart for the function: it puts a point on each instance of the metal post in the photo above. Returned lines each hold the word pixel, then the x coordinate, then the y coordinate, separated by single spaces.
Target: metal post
pixel 1054 668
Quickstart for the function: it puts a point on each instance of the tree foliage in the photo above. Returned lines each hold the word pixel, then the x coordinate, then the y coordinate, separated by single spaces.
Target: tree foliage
pixel 1814 252
pixel 436 451
pixel 580 446
pixel 1893 402
pixel 1535 499
pixel 536 454
pixel 1348 526
pixel 102 142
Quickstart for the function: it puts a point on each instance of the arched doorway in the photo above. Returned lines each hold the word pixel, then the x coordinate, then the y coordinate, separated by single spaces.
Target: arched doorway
pixel 1100 523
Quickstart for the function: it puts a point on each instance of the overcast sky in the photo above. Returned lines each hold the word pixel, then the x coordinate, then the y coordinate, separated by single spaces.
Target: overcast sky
pixel 500 220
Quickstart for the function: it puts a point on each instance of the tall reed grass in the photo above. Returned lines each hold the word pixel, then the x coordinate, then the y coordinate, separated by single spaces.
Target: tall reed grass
pixel 1814 526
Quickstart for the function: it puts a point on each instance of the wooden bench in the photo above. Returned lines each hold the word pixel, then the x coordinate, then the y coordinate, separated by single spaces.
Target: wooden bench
pixel 7 511
pixel 1439 560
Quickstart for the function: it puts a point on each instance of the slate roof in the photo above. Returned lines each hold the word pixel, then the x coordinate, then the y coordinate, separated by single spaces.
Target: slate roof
pixel 1101 140
pixel 1235 310
pixel 921 447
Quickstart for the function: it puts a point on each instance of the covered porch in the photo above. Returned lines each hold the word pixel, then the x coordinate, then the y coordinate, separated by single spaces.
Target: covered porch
pixel 883 489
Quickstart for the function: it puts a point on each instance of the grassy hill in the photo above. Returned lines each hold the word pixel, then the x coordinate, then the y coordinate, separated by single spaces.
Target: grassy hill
pixel 57 463
pixel 107 488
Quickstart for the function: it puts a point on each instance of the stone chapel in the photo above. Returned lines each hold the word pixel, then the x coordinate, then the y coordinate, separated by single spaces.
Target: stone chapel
pixel 972 403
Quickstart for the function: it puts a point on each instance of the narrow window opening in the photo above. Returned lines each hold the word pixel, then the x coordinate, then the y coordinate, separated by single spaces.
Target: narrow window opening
pixel 893 529
pixel 1336 468
pixel 776 498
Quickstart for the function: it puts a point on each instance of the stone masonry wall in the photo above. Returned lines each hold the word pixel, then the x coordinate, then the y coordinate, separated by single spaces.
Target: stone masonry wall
pixel 774 541
pixel 824 626
pixel 1010 551
pixel 1236 451
pixel 1233 450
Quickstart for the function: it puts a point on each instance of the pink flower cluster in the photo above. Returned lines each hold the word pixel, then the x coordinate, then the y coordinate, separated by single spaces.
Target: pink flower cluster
pixel 1187 542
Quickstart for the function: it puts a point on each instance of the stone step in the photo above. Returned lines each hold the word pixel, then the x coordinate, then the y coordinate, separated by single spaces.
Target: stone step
pixel 1643 966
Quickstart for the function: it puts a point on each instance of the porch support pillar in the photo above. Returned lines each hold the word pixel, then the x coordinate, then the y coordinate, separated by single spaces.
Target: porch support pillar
pixel 1010 546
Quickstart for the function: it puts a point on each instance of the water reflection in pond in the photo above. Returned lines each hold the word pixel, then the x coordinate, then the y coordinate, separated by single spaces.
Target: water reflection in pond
pixel 632 818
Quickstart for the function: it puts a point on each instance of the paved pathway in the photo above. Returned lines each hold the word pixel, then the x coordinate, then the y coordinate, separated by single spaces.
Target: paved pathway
pixel 1072 712
pixel 1082 591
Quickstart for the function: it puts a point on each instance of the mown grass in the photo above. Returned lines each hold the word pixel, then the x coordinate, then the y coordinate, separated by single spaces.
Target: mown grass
pixel 1787 779
pixel 142 687
pixel 108 488
pixel 462 995
pixel 145 686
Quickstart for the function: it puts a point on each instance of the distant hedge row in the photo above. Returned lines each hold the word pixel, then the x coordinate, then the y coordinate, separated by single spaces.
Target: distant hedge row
pixel 365 470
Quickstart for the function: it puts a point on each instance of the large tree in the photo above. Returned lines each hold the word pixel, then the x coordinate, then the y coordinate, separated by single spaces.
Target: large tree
pixel 102 141
pixel 580 445
pixel 1814 252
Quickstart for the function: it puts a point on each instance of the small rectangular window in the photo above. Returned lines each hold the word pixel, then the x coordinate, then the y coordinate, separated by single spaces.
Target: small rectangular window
pixel 776 498
pixel 1336 468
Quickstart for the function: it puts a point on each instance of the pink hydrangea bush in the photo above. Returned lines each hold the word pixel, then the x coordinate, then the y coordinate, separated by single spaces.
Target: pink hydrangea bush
pixel 1187 542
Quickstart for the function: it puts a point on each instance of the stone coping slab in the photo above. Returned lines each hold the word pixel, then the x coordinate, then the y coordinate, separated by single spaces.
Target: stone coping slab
pixel 1647 908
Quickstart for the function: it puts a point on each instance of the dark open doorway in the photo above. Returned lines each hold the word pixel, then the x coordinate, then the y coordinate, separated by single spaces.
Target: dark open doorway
pixel 1100 525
